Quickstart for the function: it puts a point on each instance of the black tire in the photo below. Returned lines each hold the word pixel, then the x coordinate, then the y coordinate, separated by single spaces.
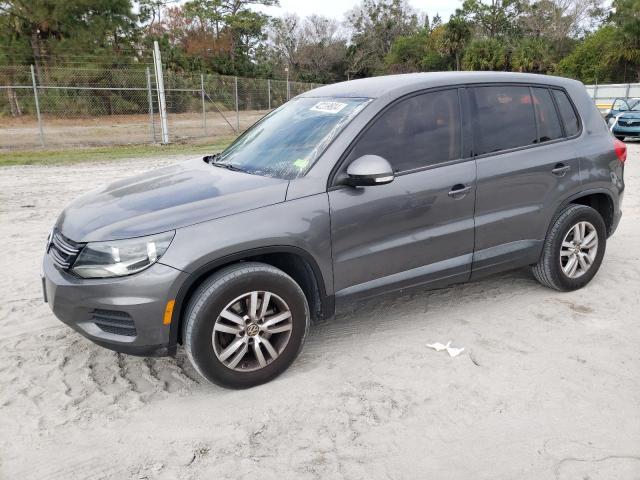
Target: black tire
pixel 548 271
pixel 214 295
pixel 620 138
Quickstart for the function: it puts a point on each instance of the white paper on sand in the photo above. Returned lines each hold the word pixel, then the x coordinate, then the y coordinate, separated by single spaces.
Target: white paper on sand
pixel 452 351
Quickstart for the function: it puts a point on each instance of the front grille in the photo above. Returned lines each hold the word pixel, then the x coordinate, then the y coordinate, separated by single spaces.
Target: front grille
pixel 628 123
pixel 114 321
pixel 63 251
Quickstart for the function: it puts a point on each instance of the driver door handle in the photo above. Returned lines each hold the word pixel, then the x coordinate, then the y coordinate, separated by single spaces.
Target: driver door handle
pixel 459 191
pixel 561 169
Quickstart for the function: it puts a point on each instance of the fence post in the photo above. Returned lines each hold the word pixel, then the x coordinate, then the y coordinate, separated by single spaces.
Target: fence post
pixel 595 92
pixel 152 125
pixel 288 86
pixel 269 91
pixel 626 95
pixel 204 109
pixel 237 107
pixel 37 101
pixel 162 105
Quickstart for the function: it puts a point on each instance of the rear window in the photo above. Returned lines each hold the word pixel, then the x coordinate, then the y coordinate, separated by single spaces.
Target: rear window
pixel 504 118
pixel 549 126
pixel 567 113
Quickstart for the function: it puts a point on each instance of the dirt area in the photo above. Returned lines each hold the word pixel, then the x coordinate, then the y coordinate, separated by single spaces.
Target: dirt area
pixel 548 386
pixel 119 129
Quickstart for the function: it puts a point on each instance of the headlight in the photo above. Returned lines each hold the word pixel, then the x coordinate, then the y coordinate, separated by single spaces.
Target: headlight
pixel 121 257
pixel 611 121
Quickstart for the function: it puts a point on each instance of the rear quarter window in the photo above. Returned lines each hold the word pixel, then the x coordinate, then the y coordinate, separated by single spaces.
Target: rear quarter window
pixel 549 126
pixel 567 113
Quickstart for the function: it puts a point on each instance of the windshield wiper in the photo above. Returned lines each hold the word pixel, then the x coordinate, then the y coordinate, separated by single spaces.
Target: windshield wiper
pixel 211 158
pixel 228 166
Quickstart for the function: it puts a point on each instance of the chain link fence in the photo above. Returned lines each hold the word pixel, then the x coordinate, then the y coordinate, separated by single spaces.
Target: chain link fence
pixel 59 106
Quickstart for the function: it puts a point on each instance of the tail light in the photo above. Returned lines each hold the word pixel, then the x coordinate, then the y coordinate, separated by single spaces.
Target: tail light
pixel 621 150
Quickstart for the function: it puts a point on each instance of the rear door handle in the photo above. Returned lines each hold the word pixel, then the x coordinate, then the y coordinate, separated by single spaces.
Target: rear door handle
pixel 459 191
pixel 561 169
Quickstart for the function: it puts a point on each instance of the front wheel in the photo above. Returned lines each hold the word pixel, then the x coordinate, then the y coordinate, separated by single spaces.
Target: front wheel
pixel 573 250
pixel 245 325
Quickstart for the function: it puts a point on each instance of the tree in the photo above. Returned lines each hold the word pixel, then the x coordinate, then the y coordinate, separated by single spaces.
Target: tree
pixel 594 60
pixel 495 19
pixel 626 17
pixel 314 49
pixel 407 53
pixel 53 27
pixel 456 35
pixel 560 21
pixel 375 26
pixel 219 35
pixel 532 55
pixel 487 54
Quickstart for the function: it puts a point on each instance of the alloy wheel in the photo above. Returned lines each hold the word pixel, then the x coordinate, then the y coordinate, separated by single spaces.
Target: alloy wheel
pixel 252 331
pixel 579 249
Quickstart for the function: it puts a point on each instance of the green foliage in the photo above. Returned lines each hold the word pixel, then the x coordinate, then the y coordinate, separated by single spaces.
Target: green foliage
pixel 407 53
pixel 486 54
pixel 50 27
pixel 594 60
pixel 494 19
pixel 455 38
pixel 627 20
pixel 532 55
pixel 377 25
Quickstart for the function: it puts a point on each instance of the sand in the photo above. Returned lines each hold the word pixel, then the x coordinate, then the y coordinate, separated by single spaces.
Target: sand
pixel 548 386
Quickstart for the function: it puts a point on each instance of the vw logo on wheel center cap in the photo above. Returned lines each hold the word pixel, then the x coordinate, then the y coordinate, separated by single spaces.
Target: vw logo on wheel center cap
pixel 253 330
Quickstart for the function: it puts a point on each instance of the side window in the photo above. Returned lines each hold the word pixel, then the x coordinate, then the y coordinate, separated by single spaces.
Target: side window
pixel 567 113
pixel 417 132
pixel 549 126
pixel 503 119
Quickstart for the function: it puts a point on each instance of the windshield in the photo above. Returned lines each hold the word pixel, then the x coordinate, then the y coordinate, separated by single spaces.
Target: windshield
pixel 286 142
pixel 635 105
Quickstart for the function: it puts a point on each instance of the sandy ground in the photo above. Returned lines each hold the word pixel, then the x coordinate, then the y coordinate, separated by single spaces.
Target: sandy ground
pixel 119 129
pixel 548 386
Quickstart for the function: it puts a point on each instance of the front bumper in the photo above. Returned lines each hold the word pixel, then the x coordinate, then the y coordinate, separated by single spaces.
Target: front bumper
pixel 122 314
pixel 620 131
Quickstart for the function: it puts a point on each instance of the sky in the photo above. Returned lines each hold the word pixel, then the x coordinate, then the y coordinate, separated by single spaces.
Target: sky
pixel 338 8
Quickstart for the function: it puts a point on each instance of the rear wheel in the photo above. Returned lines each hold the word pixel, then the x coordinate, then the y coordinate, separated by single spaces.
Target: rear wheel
pixel 573 249
pixel 245 325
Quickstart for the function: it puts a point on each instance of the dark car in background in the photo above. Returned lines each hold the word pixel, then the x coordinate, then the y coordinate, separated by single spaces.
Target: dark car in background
pixel 346 192
pixel 624 118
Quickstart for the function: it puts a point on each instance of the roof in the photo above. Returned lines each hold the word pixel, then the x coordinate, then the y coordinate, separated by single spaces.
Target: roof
pixel 376 87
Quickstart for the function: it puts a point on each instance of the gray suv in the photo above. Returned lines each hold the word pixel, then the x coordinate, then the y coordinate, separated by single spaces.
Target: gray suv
pixel 346 192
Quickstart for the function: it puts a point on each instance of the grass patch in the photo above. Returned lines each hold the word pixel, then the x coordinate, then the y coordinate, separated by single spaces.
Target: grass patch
pixel 88 154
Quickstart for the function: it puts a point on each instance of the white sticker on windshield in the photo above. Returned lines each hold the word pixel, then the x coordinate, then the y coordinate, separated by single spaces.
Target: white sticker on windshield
pixel 328 107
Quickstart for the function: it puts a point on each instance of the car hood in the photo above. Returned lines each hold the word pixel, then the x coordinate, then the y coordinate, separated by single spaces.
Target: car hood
pixel 630 115
pixel 166 199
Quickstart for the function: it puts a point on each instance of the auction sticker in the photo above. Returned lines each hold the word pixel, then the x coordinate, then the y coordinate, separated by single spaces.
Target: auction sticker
pixel 328 107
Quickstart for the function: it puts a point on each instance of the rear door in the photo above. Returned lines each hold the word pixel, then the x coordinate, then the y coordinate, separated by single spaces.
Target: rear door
pixel 525 169
pixel 418 228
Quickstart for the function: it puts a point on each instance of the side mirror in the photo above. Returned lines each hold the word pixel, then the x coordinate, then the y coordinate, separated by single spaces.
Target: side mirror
pixel 369 170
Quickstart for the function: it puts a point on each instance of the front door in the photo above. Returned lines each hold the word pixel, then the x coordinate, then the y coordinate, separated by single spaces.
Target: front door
pixel 419 228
